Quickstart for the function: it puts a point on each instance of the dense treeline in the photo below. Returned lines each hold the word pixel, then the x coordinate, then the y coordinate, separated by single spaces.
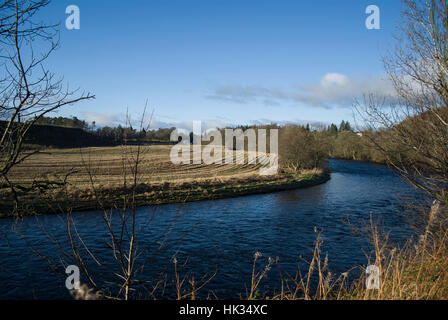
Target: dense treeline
pixel 119 134
pixel 73 122
pixel 59 136
pixel 300 146
pixel 73 132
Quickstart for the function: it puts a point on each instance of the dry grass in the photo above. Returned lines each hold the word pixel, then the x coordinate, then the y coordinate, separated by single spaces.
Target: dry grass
pixel 416 271
pixel 106 164
pixel 88 177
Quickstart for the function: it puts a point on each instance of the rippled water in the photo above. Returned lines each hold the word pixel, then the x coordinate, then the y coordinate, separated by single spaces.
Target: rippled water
pixel 221 234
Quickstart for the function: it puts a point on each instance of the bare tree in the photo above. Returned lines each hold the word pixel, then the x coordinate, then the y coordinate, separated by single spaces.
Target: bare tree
pixel 301 148
pixel 28 90
pixel 411 128
pixel 123 240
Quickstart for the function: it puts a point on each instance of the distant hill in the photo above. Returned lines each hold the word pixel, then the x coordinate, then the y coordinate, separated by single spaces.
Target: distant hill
pixel 61 137
pixel 68 136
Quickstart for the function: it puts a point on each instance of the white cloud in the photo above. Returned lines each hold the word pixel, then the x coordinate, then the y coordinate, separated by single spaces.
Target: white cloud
pixel 243 94
pixel 334 79
pixel 333 90
pixel 338 90
pixel 102 120
pixel 113 120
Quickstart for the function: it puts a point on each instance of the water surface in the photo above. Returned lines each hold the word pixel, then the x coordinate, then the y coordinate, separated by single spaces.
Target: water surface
pixel 221 235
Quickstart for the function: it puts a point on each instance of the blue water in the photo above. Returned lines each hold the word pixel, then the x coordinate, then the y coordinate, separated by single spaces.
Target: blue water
pixel 220 235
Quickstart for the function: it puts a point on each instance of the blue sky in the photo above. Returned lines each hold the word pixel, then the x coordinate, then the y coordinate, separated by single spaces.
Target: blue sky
pixel 222 62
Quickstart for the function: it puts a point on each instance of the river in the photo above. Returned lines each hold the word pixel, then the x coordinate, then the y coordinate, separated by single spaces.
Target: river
pixel 220 235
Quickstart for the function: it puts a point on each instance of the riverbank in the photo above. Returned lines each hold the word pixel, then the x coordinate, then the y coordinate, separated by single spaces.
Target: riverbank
pixel 371 161
pixel 101 197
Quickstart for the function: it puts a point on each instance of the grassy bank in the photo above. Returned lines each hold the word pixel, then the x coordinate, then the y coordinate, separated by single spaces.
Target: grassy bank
pixel 96 178
pixel 415 271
